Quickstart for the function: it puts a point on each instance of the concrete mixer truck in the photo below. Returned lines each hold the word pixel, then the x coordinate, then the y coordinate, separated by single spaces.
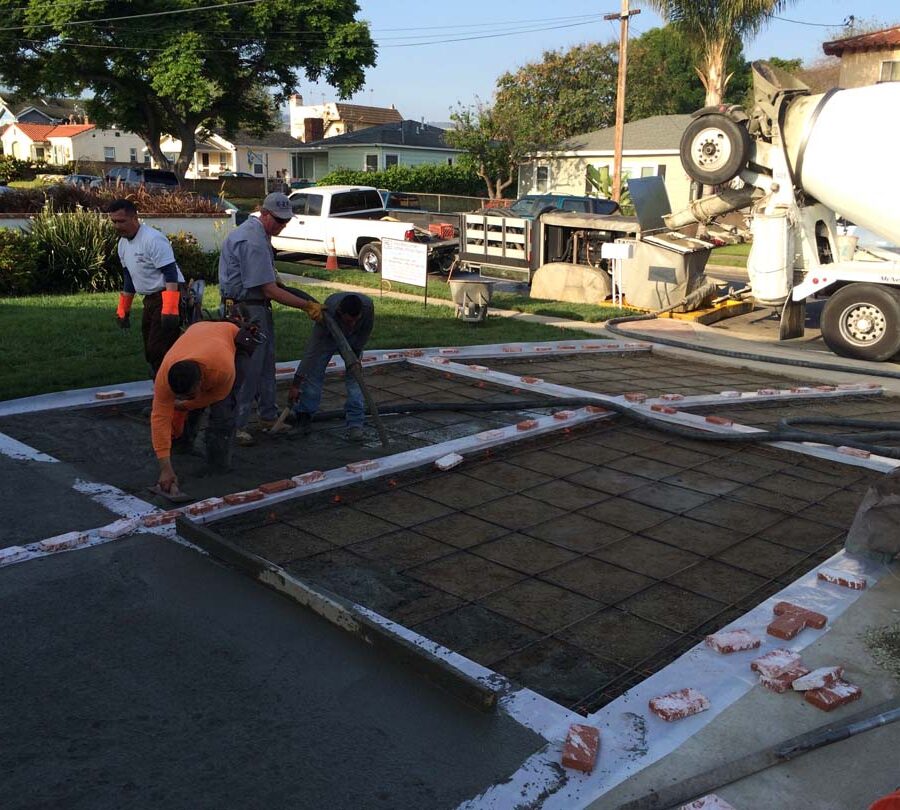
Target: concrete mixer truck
pixel 805 160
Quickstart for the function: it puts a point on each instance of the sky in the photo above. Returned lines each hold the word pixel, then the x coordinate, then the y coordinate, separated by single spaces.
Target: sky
pixel 425 74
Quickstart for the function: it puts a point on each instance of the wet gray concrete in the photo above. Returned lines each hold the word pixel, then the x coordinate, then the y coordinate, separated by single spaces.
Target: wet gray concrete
pixel 143 674
pixel 29 488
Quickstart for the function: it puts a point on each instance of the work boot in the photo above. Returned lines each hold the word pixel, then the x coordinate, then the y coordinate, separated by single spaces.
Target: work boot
pixel 267 424
pixel 219 449
pixel 355 434
pixel 304 423
pixel 244 439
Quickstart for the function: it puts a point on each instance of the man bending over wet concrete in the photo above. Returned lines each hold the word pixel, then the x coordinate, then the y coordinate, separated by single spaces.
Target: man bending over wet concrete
pixel 355 316
pixel 203 369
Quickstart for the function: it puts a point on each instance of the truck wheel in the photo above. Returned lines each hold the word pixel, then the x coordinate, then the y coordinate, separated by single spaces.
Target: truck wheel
pixel 714 149
pixel 370 258
pixel 863 321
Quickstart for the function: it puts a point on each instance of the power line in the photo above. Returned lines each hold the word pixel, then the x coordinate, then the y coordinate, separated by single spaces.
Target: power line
pixel 803 22
pixel 132 16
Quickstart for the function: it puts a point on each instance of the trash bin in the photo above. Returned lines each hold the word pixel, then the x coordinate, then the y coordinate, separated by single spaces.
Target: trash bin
pixel 471 298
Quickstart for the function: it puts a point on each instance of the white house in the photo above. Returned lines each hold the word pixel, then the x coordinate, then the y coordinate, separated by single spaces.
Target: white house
pixel 313 122
pixel 651 147
pixel 266 156
pixel 61 143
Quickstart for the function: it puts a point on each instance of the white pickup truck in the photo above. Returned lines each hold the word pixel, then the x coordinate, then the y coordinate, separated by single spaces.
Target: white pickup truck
pixel 352 220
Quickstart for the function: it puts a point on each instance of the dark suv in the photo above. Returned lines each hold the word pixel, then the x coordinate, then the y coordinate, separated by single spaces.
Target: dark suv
pixel 134 176
pixel 529 206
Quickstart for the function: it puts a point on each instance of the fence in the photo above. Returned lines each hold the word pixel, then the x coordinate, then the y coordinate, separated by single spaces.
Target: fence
pixel 454 204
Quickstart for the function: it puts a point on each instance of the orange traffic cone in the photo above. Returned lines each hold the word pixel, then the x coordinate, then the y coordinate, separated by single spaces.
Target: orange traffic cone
pixel 331 263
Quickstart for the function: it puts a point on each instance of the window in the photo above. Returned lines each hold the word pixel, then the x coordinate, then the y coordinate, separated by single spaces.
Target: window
pixel 38 152
pixel 371 164
pixel 314 205
pixel 109 154
pixel 146 158
pixel 391 160
pixel 351 201
pixel 132 154
pixel 298 203
pixel 257 168
pixel 581 206
pixel 449 161
pixel 890 72
pixel 223 161
pixel 542 179
pixel 648 171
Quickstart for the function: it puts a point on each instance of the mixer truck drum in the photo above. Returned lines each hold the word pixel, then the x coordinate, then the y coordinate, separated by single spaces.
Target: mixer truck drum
pixel 714 149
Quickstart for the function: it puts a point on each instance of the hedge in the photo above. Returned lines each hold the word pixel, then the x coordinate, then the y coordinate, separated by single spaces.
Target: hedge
pixel 429 178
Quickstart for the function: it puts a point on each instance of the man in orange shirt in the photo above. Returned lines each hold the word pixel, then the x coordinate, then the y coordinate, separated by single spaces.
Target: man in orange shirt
pixel 203 368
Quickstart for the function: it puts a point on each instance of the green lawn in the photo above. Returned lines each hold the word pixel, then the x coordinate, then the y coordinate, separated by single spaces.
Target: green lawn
pixel 439 288
pixel 731 255
pixel 53 343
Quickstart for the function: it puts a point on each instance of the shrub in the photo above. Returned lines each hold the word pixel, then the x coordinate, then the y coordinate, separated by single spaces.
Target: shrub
pixel 193 260
pixel 13 169
pixel 76 251
pixel 65 198
pixel 18 262
pixel 429 178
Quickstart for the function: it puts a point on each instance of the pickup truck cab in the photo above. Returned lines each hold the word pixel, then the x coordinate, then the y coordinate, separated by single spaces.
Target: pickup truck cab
pixel 352 221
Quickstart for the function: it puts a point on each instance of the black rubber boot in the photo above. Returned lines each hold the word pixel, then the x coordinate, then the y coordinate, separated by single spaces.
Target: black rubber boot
pixel 219 450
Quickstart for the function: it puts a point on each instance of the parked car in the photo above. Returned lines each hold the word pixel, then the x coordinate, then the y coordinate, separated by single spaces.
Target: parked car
pixel 529 206
pixel 134 176
pixel 83 180
pixel 240 174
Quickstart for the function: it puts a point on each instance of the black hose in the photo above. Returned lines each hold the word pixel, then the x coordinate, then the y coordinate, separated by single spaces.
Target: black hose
pixel 612 326
pixel 784 433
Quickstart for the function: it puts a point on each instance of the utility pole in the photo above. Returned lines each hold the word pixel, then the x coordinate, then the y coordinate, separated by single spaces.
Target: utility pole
pixel 623 17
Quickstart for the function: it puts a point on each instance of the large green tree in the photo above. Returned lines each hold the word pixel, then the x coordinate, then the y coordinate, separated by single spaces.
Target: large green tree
pixel 492 149
pixel 211 63
pixel 662 79
pixel 716 28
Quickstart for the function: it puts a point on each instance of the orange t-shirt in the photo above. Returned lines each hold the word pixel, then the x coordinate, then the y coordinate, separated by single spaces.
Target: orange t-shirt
pixel 211 344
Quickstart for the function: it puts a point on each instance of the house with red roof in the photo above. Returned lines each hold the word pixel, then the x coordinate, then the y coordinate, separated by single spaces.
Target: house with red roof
pixel 62 143
pixel 867 58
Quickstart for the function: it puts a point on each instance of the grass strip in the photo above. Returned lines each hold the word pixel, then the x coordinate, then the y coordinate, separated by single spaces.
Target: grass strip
pixel 439 288
pixel 54 343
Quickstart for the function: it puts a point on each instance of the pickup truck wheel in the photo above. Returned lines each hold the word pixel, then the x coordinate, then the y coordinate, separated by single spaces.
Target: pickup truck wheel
pixel 370 258
pixel 714 149
pixel 863 321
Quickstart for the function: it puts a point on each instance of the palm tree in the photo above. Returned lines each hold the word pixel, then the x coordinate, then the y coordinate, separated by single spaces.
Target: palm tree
pixel 715 27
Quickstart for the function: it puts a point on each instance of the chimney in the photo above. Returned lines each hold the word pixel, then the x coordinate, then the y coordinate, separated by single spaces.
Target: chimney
pixel 313 129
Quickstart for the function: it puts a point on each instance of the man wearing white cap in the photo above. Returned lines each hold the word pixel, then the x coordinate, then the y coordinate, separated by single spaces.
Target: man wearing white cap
pixel 247 278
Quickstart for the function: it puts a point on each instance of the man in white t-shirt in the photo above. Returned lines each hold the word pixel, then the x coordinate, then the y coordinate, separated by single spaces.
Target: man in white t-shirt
pixel 150 270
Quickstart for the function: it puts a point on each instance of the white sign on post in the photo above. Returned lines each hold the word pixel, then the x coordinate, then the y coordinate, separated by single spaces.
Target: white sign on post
pixel 406 262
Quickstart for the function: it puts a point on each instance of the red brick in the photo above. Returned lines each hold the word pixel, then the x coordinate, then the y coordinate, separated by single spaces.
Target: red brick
pixel 160 518
pixel 730 394
pixel 819 678
pixel 596 409
pixel 810 617
pixel 531 380
pixel 527 424
pixel 119 528
pixel 510 349
pixel 308 477
pixel 581 748
pixel 247 496
pixel 635 396
pixel 109 394
pixel 284 369
pixel 204 507
pixel 277 486
pixel 710 802
pixel 854 451
pixel 768 392
pixel 843 578
pixel 719 420
pixel 449 351
pixel 677 705
pixel 361 466
pixel 543 348
pixel 473 367
pixel 729 641
pixel 663 409
pixel 592 346
pixel 825 388
pixel 567 348
pixel 784 680
pixel 786 627
pixel 413 353
pixel 562 416
pixel 831 697
pixel 671 397
pixel 775 662
pixel 63 541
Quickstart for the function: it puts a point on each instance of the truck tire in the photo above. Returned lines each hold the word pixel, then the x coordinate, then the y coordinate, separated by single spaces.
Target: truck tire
pixel 863 321
pixel 714 149
pixel 370 258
